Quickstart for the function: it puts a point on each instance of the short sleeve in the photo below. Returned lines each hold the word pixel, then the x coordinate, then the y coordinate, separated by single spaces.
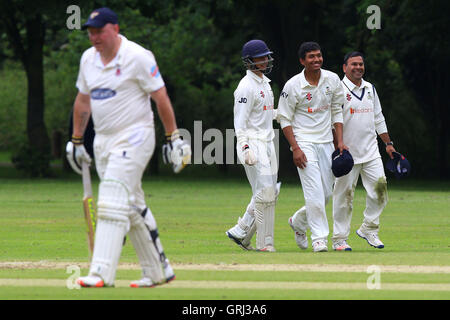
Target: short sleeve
pixel 286 105
pixel 243 102
pixel 147 72
pixel 81 80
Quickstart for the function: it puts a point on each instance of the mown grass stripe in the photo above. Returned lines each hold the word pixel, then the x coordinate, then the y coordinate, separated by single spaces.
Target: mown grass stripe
pixel 241 267
pixel 257 285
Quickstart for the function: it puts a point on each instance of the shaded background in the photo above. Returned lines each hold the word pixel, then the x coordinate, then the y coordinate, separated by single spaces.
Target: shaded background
pixel 197 45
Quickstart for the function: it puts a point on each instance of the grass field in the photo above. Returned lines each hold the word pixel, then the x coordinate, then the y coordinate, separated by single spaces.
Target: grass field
pixel 43 233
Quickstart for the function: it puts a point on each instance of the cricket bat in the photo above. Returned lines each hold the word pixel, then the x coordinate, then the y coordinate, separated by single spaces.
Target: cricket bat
pixel 90 214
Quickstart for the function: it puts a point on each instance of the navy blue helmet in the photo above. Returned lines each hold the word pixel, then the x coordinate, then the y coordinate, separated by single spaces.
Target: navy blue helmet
pixel 256 49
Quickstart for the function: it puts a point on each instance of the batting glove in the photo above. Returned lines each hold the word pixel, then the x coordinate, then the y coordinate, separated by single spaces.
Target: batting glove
pixel 176 151
pixel 249 155
pixel 76 154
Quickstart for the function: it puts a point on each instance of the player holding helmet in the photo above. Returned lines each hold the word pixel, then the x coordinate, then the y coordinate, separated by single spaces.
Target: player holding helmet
pixel 253 117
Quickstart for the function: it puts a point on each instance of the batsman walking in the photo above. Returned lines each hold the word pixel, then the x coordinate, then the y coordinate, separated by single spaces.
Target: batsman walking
pixel 116 79
pixel 253 123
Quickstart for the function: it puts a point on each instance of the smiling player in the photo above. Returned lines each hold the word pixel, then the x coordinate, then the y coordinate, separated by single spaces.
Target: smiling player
pixel 363 119
pixel 310 104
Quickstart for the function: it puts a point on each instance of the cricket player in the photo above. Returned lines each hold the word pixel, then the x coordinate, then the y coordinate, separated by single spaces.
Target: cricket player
pixel 116 79
pixel 363 119
pixel 253 123
pixel 310 104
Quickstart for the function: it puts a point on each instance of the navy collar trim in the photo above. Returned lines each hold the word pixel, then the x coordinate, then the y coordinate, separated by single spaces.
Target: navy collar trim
pixel 362 93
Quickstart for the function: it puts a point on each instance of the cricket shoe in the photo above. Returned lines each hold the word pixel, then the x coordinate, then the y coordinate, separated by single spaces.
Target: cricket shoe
pixel 320 246
pixel 268 248
pixel 371 238
pixel 341 245
pixel 300 238
pixel 237 235
pixel 146 282
pixel 91 282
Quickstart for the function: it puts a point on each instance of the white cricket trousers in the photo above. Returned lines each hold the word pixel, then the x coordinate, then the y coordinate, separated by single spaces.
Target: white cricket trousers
pixel 120 159
pixel 264 173
pixel 317 183
pixel 123 157
pixel 262 177
pixel 374 181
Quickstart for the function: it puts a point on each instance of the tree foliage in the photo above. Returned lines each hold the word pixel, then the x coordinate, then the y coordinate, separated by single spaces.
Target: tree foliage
pixel 197 45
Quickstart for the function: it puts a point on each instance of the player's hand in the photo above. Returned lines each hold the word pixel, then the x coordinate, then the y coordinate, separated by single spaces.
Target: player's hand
pixel 299 158
pixel 76 154
pixel 389 150
pixel 249 156
pixel 176 151
pixel 341 146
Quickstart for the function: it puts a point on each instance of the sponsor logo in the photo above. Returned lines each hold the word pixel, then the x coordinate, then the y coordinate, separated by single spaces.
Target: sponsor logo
pixel 154 71
pixel 94 14
pixel 360 110
pixel 309 96
pixel 102 93
pixel 268 107
pixel 322 108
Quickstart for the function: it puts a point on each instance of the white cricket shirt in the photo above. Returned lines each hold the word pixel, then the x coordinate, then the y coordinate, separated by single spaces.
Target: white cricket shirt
pixel 311 110
pixel 120 91
pixel 253 109
pixel 363 119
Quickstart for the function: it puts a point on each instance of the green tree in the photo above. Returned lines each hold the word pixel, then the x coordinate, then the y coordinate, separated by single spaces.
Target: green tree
pixel 408 59
pixel 27 26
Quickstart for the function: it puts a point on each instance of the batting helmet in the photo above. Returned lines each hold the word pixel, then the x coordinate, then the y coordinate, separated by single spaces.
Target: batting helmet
pixel 256 49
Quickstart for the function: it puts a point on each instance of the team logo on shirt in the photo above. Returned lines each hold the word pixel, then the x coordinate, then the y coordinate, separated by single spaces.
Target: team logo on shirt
pixel 319 109
pixel 360 110
pixel 349 97
pixel 102 94
pixel 284 94
pixel 154 71
pixel 309 96
pixel 262 94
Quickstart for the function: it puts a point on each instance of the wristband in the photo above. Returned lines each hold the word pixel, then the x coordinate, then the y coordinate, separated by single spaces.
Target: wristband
pixel 390 143
pixel 173 135
pixel 77 140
